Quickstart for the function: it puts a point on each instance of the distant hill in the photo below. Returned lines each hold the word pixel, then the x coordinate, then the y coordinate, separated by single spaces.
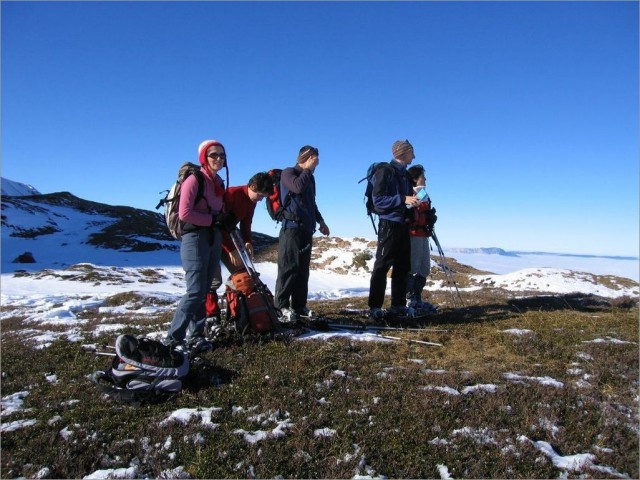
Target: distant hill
pixel 58 229
pixel 517 253
pixel 118 227
pixel 17 189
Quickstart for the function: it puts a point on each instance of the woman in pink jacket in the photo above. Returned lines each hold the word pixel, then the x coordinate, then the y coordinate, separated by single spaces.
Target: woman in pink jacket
pixel 200 248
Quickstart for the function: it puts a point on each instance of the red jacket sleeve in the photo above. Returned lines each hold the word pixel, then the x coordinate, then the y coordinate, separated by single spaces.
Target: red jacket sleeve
pixel 237 201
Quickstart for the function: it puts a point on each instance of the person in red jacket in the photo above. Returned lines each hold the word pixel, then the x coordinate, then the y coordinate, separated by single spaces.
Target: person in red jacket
pixel 239 205
pixel 420 228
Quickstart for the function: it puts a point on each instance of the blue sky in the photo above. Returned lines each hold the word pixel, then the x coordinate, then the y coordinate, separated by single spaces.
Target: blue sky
pixel 524 114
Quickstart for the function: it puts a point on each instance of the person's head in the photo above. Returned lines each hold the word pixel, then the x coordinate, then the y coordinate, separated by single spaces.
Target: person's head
pixel 309 157
pixel 259 186
pixel 417 175
pixel 402 151
pixel 212 155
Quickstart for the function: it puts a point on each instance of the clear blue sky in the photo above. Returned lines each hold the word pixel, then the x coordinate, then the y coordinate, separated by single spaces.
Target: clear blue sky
pixel 525 114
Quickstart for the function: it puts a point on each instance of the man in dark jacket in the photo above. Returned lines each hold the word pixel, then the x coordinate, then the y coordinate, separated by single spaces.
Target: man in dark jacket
pixel 392 194
pixel 298 192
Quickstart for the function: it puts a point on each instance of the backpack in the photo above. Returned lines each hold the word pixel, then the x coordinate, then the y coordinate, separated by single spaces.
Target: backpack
pixel 171 201
pixel 250 305
pixel 368 193
pixel 143 371
pixel 275 206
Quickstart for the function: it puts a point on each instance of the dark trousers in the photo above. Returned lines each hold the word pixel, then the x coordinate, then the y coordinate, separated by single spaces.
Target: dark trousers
pixel 294 258
pixel 394 250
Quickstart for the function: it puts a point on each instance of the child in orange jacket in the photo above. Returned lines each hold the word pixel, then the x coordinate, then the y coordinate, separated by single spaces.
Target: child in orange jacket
pixel 424 217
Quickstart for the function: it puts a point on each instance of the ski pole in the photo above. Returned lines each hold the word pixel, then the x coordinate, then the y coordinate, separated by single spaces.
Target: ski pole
pixel 445 267
pixel 410 340
pixel 253 273
pixel 364 328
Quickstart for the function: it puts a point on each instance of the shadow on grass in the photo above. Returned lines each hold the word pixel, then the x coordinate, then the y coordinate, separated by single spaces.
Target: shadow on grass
pixel 485 307
pixel 204 375
pixel 541 303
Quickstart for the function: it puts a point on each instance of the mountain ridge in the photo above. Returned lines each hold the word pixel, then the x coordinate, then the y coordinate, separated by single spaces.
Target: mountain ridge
pixel 17 189
pixel 59 229
pixel 59 232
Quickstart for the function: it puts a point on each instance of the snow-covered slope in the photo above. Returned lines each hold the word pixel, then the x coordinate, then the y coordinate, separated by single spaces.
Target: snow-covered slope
pixel 60 230
pixel 17 189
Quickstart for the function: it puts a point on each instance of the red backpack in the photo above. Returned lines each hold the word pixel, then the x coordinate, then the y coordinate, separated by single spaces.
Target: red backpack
pixel 249 306
pixel 275 205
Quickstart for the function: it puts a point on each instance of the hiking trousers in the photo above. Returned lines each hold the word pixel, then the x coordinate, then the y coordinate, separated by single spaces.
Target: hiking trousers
pixel 420 256
pixel 294 258
pixel 200 254
pixel 394 250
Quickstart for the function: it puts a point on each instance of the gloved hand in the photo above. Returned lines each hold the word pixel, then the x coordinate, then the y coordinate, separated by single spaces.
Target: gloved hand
pixel 226 221
pixel 431 217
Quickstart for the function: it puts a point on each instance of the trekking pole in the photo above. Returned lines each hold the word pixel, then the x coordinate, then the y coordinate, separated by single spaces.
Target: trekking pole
pixel 447 270
pixel 242 251
pixel 374 224
pixel 445 267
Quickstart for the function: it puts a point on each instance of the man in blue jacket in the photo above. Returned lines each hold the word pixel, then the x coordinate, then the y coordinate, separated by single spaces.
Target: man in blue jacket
pixel 298 191
pixel 392 194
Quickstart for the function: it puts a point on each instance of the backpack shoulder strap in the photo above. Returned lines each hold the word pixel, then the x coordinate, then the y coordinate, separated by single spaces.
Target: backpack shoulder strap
pixel 200 178
pixel 386 168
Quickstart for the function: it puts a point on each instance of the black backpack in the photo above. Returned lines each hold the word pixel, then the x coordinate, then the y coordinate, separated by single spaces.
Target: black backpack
pixel 368 192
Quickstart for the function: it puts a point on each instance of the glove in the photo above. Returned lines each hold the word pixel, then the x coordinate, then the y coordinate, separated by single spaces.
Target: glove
pixel 226 221
pixel 431 217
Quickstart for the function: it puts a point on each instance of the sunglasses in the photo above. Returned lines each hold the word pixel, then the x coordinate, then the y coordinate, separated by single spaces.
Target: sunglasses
pixel 221 156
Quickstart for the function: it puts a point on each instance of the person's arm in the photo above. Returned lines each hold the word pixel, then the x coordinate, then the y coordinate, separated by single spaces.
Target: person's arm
pixel 245 227
pixel 296 183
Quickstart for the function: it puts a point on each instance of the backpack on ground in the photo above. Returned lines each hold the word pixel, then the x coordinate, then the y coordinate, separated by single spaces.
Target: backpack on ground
pixel 143 371
pixel 275 205
pixel 171 201
pixel 368 193
pixel 250 305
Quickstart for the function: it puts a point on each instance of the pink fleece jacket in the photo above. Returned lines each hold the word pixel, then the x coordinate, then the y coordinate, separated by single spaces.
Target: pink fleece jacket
pixel 199 214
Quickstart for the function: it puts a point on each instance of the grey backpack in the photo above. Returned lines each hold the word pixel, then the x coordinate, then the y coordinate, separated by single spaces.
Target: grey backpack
pixel 143 370
pixel 171 201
